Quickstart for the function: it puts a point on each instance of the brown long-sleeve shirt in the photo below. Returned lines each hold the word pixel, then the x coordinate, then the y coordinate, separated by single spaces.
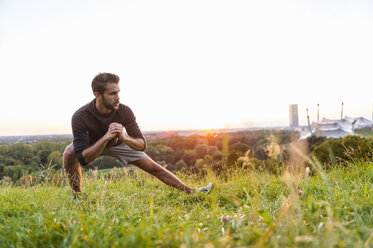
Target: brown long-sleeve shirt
pixel 89 126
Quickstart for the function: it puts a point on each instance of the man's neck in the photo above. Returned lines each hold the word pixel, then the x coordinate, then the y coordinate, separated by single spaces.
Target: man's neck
pixel 102 109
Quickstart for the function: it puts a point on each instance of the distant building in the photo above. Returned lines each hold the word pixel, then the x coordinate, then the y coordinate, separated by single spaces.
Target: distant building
pixel 337 128
pixel 293 115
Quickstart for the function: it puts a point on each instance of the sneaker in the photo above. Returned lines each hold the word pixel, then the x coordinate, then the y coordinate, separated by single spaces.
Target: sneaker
pixel 207 189
pixel 75 195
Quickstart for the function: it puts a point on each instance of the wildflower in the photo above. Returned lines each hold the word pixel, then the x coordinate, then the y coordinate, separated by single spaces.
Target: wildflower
pixel 225 219
pixel 300 192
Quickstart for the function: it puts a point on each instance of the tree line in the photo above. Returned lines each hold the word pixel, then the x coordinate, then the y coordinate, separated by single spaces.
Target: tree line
pixel 175 152
pixel 266 150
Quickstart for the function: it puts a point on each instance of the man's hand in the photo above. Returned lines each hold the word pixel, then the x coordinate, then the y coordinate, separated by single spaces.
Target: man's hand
pixel 112 133
pixel 91 153
pixel 134 143
pixel 117 129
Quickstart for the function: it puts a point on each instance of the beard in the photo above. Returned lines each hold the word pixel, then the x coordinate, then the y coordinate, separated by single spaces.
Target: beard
pixel 108 105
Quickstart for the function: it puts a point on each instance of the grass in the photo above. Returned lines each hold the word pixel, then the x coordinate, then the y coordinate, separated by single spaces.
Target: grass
pixel 244 209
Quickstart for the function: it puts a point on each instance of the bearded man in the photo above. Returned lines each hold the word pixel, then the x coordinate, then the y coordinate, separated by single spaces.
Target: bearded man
pixel 98 130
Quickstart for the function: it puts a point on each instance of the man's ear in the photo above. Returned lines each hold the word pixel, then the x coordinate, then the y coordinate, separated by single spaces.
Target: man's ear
pixel 97 94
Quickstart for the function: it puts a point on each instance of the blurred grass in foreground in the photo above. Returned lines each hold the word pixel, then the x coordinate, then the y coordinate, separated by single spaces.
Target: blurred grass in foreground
pixel 245 208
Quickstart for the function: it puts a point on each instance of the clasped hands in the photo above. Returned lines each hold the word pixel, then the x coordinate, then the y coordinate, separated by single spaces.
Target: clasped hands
pixel 115 131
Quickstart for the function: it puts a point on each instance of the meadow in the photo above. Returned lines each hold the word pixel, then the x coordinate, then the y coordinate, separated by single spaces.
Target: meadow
pixel 127 208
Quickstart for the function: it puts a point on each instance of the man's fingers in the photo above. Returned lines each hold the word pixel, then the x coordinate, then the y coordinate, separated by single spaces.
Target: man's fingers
pixel 116 130
pixel 115 124
pixel 115 127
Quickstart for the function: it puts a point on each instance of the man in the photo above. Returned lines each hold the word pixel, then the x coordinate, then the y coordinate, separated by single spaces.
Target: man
pixel 98 130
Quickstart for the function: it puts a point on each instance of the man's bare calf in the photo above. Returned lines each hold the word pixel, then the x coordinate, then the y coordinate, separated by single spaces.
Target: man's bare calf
pixel 72 168
pixel 155 169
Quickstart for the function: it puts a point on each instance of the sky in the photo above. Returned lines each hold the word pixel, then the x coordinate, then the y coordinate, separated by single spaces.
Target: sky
pixel 185 64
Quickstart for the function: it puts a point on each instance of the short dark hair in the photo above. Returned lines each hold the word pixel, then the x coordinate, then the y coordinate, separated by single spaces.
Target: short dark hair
pixel 100 81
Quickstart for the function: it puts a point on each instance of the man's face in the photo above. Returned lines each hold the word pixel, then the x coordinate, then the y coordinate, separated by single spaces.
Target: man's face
pixel 110 98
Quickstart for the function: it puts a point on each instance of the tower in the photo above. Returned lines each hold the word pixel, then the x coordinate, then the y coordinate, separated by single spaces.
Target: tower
pixel 293 115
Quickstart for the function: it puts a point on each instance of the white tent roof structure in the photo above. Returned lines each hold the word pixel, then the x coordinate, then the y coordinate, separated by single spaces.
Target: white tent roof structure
pixel 337 128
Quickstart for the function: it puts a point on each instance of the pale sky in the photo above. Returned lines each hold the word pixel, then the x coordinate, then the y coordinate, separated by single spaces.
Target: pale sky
pixel 185 64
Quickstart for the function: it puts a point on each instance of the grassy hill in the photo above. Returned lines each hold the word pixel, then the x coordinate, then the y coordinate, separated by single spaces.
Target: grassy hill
pixel 121 209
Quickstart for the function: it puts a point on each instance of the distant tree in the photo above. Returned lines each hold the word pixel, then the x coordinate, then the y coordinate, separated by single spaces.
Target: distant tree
pixel 46 145
pixel 182 143
pixel 44 156
pixel 201 150
pixel 21 151
pixel 14 172
pixel 35 159
pixel 4 149
pixel 202 140
pixel 55 158
pixel 161 153
pixel 217 155
pixel 258 151
pixel 33 166
pixel 208 159
pixel 199 163
pixel 190 157
pixel 211 150
pixel 151 150
pixel 165 153
pixel 219 144
pixel 178 155
pixel 232 157
pixel 11 161
pixel 241 147
pixel 313 141
pixel 180 165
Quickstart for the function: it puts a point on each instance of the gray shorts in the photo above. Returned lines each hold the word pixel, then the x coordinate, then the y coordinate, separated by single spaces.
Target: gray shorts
pixel 124 154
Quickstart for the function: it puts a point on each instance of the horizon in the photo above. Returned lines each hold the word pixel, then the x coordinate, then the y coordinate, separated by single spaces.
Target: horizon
pixel 150 131
pixel 145 132
pixel 258 125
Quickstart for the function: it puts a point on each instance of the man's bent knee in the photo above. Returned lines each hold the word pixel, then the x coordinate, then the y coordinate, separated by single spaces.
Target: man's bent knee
pixel 69 157
pixel 69 151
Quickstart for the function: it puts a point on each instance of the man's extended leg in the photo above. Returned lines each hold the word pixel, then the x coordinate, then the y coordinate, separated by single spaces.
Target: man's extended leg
pixel 148 165
pixel 72 168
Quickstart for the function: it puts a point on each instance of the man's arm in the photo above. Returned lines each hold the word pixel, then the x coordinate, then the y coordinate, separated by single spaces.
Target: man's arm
pixel 135 143
pixel 94 151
